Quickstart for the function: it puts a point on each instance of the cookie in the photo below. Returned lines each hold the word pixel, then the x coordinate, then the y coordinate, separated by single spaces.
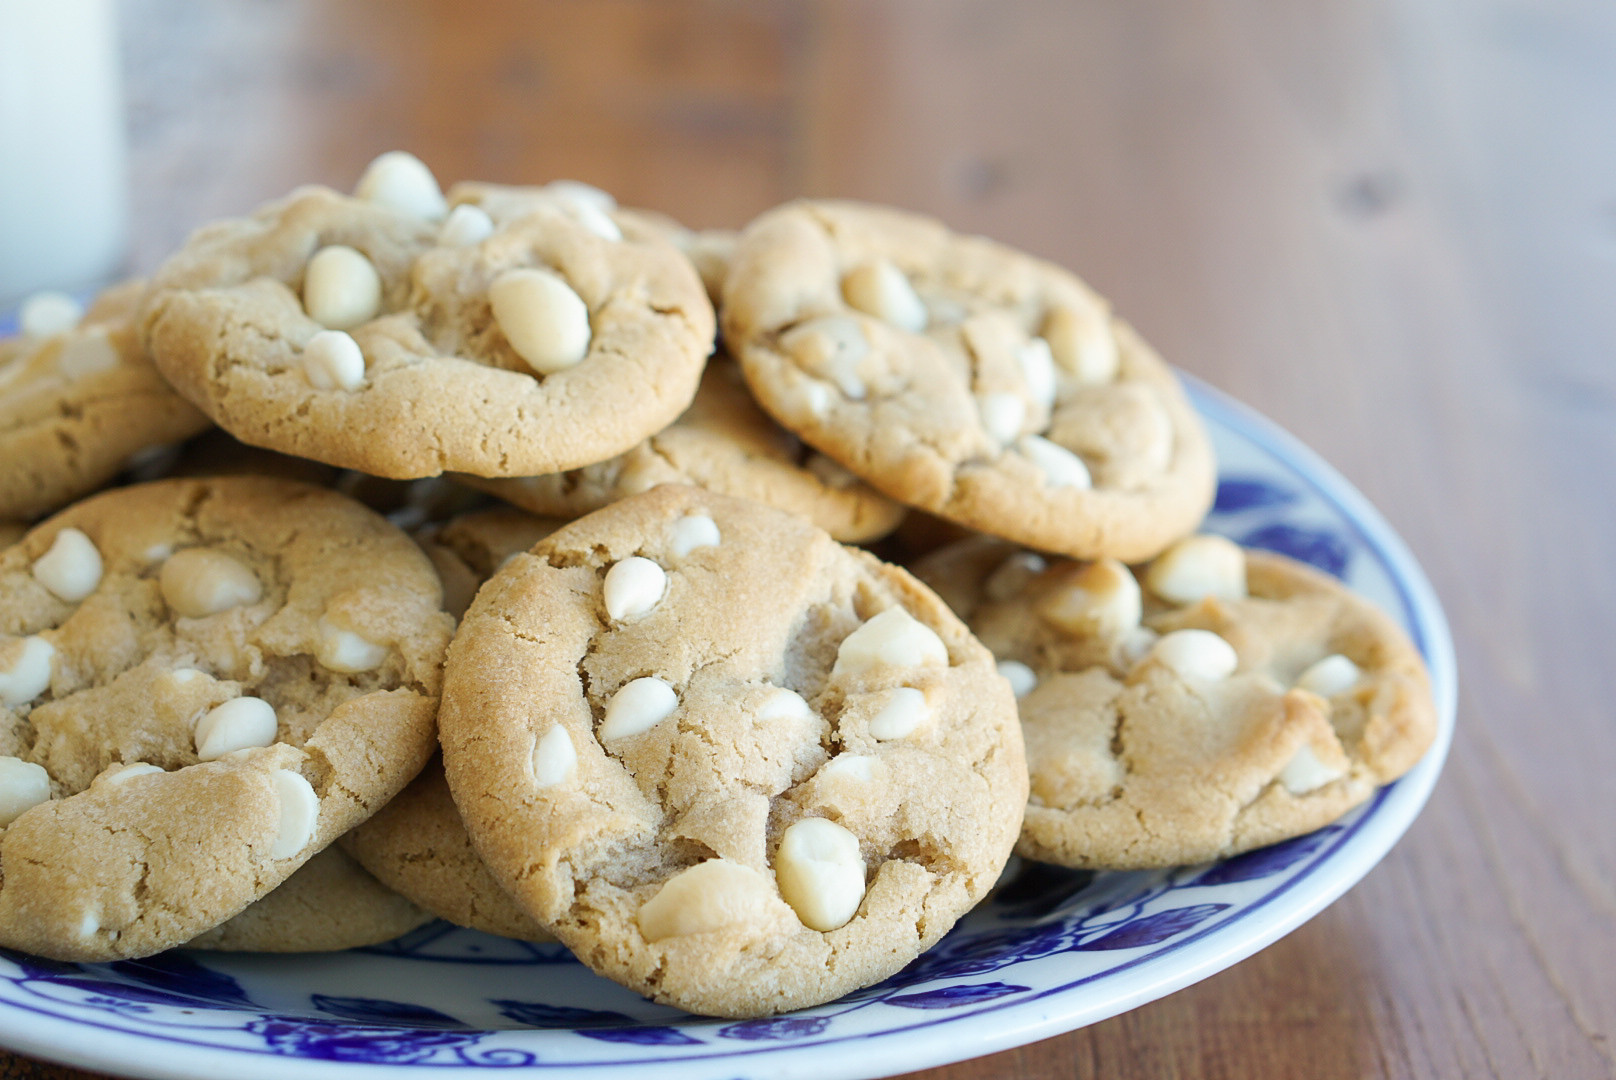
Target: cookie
pixel 354 333
pixel 329 904
pixel 78 399
pixel 418 847
pixel 723 443
pixel 731 764
pixel 202 683
pixel 965 378
pixel 1218 701
pixel 466 550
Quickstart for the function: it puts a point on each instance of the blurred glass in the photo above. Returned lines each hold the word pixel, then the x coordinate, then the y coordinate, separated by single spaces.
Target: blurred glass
pixel 63 185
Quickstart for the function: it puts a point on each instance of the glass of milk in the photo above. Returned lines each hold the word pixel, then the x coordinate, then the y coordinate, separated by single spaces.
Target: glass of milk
pixel 63 188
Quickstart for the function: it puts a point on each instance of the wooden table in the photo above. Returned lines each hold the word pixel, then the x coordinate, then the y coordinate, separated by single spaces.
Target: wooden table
pixel 1388 224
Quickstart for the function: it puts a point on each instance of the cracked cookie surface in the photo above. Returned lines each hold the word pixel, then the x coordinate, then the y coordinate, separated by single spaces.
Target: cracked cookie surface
pixel 77 405
pixel 963 377
pixel 730 763
pixel 723 443
pixel 342 330
pixel 202 683
pixel 1220 700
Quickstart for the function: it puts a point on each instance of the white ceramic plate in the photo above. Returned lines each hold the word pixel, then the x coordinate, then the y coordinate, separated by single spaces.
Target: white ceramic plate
pixel 1052 950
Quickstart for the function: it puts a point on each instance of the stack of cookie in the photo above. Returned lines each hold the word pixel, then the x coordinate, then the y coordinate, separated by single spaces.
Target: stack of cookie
pixel 623 682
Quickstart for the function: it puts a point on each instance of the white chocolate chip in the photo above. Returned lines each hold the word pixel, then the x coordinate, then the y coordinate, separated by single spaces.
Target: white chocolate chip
pixel 1038 369
pixel 23 786
pixel 633 587
pixel 893 638
pixel 691 532
pixel 783 704
pixel 129 772
pixel 341 289
pixel 830 472
pixel 1002 415
pixel 595 220
pixel 1135 645
pixel 546 322
pixel 638 706
pixel 184 676
pixel 555 760
pixel 343 650
pixel 1012 575
pixel 299 814
pixel 578 193
pixel 711 895
pixel 466 225
pixel 1082 344
pixel 1196 655
pixel 199 582
pixel 1061 467
pixel 816 397
pixel 1305 772
pixel 88 353
pixel 89 923
pixel 238 724
pixel 905 711
pixel 47 313
pixel 1102 599
pixel 1023 679
pixel 856 767
pixel 402 182
pixel 332 360
pixel 71 569
pixel 157 553
pixel 1330 676
pixel 820 872
pixel 26 670
pixel 1198 567
pixel 880 289
pixel 832 348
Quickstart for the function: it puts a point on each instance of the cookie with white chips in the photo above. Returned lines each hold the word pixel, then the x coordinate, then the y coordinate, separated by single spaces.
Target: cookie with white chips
pixel 1218 700
pixel 365 332
pixel 968 379
pixel 329 904
pixel 79 399
pixel 202 683
pixel 723 443
pixel 730 763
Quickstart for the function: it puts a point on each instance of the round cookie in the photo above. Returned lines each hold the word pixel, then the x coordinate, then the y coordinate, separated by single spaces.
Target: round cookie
pixel 202 683
pixel 1218 701
pixel 77 403
pixel 466 550
pixel 330 904
pixel 349 331
pixel 417 846
pixel 965 378
pixel 730 763
pixel 723 443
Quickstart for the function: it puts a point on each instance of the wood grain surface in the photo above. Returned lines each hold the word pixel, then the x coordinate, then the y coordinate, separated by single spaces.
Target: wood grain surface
pixel 1388 224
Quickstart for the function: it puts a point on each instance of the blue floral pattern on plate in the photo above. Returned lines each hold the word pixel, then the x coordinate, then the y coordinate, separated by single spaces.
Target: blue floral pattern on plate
pixel 1050 950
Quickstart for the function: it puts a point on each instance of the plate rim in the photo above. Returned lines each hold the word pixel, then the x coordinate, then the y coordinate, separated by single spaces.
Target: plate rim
pixel 981 1031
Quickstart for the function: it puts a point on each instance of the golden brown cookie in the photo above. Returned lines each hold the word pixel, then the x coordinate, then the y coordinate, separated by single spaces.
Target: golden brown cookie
pixel 329 904
pixel 1218 701
pixel 202 683
pixel 728 762
pixel 723 443
pixel 347 330
pixel 965 378
pixel 78 400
